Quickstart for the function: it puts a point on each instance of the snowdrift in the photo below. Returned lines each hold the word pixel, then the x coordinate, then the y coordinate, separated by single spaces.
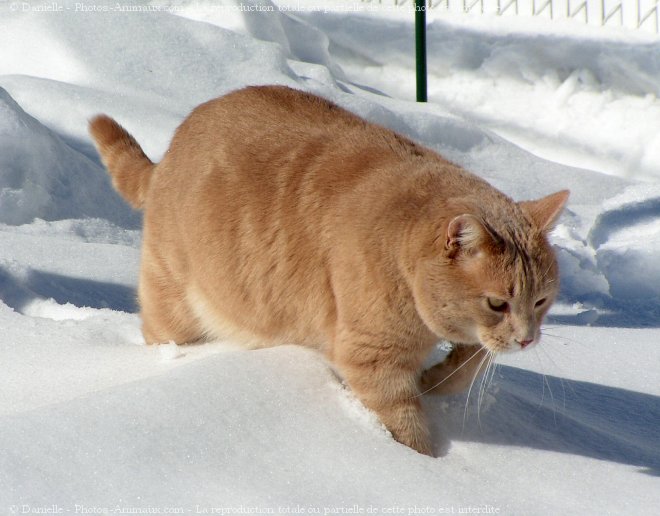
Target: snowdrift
pixel 91 420
pixel 42 177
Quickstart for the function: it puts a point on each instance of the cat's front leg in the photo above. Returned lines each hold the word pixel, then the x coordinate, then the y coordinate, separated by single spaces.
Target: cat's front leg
pixel 455 374
pixel 385 379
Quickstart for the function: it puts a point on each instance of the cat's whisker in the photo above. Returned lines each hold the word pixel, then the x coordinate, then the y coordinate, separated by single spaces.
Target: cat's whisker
pixel 492 374
pixel 542 383
pixel 559 338
pixel 545 333
pixel 484 384
pixel 474 378
pixel 447 377
pixel 494 370
pixel 552 398
pixel 480 393
pixel 547 382
pixel 545 275
pixel 561 380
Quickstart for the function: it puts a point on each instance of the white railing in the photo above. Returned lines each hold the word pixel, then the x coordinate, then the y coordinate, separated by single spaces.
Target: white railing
pixel 631 14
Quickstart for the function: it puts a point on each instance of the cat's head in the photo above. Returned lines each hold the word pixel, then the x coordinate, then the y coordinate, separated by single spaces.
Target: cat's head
pixel 492 275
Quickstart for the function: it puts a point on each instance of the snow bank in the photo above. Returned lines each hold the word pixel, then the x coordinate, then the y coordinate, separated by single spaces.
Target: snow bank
pixel 576 99
pixel 92 419
pixel 279 434
pixel 42 177
pixel 626 236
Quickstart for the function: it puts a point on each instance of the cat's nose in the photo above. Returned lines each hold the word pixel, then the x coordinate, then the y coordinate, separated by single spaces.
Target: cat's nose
pixel 525 343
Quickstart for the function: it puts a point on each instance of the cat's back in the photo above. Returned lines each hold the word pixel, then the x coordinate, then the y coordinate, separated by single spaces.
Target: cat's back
pixel 257 120
pixel 277 150
pixel 271 129
pixel 267 109
pixel 271 153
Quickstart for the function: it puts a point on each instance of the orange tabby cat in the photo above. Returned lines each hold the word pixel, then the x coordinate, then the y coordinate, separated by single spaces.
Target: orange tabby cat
pixel 277 217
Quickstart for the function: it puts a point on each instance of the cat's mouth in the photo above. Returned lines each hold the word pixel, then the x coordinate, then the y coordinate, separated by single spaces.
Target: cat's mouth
pixel 498 346
pixel 507 342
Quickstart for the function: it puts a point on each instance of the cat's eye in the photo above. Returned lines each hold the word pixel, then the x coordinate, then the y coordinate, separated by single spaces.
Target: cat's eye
pixel 540 302
pixel 498 305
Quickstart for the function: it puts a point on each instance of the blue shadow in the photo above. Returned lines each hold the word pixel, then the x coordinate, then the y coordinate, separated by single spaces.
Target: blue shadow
pixel 559 415
pixel 64 289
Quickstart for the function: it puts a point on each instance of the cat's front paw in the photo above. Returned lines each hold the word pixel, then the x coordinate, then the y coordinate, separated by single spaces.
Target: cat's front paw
pixel 409 427
pixel 418 443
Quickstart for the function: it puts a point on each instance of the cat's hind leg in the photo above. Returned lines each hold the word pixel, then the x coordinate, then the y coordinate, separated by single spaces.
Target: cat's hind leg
pixel 457 372
pixel 164 309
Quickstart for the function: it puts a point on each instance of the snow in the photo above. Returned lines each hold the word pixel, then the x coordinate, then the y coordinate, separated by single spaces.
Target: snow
pixel 581 100
pixel 92 420
pixel 43 177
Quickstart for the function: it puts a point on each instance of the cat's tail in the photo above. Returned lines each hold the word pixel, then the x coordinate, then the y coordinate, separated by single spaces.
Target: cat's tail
pixel 128 165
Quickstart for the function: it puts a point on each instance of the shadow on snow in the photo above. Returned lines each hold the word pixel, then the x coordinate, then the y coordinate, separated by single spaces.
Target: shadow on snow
pixel 526 409
pixel 18 294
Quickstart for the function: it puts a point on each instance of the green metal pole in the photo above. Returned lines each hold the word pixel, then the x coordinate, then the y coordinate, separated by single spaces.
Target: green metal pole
pixel 420 48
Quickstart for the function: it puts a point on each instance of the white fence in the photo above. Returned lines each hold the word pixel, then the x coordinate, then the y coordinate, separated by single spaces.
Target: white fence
pixel 631 14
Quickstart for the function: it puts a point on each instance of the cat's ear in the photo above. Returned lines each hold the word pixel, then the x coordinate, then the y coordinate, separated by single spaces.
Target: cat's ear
pixel 467 233
pixel 545 212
